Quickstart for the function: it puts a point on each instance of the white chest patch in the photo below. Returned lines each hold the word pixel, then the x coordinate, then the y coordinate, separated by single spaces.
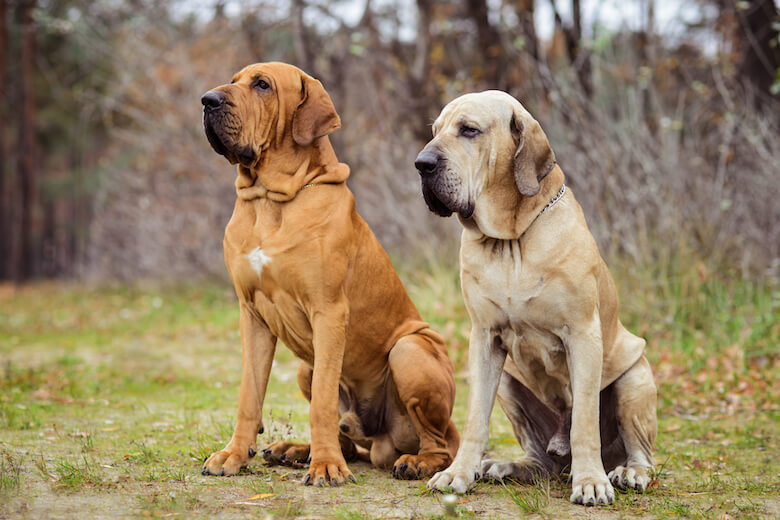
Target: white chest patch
pixel 257 259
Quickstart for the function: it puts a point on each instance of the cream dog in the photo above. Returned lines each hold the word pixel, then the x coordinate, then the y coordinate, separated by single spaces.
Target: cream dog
pixel 545 330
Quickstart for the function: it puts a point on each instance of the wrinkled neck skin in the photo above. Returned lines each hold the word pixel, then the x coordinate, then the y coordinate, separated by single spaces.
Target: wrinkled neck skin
pixel 279 174
pixel 507 214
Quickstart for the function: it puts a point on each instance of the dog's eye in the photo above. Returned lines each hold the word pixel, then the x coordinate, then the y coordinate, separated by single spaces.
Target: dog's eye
pixel 467 131
pixel 262 84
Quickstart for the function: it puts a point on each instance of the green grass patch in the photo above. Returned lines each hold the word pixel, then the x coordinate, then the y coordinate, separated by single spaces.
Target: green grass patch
pixel 112 397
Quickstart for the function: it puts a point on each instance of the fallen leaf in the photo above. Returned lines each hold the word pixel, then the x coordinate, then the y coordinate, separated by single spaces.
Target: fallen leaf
pixel 41 393
pixel 260 496
pixel 111 429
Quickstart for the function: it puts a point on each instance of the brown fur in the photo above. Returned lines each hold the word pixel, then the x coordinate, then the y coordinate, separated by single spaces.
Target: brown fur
pixel 308 271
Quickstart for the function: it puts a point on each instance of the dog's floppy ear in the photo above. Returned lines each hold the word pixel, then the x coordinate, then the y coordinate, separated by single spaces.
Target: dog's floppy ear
pixel 534 158
pixel 315 116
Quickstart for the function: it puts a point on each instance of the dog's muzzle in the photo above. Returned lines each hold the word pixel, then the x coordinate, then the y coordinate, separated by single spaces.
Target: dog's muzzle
pixel 441 189
pixel 214 119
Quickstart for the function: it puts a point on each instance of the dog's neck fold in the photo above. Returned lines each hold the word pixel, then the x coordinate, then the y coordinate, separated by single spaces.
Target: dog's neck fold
pixel 508 217
pixel 281 174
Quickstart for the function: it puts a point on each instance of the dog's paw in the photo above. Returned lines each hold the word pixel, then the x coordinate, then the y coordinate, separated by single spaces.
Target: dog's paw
pixel 525 470
pixel 333 473
pixel 228 462
pixel 590 491
pixel 496 470
pixel 411 467
pixel 457 479
pixel 293 454
pixel 634 477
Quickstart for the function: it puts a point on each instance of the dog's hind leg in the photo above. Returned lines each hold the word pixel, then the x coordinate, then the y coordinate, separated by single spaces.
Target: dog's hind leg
pixel 536 427
pixel 423 378
pixel 636 415
pixel 292 453
pixel 297 453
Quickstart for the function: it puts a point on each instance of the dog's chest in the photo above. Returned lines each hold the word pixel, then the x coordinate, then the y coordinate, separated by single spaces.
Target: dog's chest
pixel 499 285
pixel 258 257
pixel 510 297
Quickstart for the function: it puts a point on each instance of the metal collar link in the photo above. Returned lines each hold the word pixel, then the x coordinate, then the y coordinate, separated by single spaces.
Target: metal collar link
pixel 554 199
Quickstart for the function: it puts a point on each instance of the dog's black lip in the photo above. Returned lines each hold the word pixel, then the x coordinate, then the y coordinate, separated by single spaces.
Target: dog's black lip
pixel 468 212
pixel 434 203
pixel 214 140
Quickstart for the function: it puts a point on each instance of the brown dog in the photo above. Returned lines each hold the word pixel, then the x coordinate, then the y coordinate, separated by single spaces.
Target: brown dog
pixel 308 270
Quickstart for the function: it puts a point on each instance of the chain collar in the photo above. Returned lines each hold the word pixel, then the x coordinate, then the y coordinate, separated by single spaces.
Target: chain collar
pixel 554 199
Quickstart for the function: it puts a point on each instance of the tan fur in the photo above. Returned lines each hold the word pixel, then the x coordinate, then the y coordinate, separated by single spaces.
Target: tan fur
pixel 308 271
pixel 540 297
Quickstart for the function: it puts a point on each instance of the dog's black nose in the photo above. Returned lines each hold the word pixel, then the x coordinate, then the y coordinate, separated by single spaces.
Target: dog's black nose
pixel 213 99
pixel 344 428
pixel 427 162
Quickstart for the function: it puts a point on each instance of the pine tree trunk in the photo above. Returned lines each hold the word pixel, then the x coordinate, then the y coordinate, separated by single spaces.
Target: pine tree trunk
pixel 5 180
pixel 24 260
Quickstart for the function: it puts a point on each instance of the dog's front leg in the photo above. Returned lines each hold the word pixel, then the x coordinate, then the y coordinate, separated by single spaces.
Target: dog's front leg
pixel 329 338
pixel 590 484
pixel 486 360
pixel 257 355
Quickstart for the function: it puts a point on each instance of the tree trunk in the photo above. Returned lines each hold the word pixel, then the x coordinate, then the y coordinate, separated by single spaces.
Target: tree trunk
pixel 489 42
pixel 23 262
pixel 5 181
pixel 421 88
pixel 578 58
pixel 524 9
pixel 302 47
pixel 759 35
pixel 581 56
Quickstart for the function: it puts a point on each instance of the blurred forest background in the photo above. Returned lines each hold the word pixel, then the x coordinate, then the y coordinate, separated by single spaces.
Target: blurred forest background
pixel 667 130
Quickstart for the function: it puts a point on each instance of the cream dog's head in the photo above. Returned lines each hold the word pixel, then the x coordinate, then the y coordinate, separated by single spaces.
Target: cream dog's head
pixel 487 153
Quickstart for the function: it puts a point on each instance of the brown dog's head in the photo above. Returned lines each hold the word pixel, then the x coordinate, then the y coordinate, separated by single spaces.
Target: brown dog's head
pixel 266 105
pixel 487 151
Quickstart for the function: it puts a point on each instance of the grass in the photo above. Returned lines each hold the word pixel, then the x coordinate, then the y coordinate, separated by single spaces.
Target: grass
pixel 10 472
pixel 112 397
pixel 531 499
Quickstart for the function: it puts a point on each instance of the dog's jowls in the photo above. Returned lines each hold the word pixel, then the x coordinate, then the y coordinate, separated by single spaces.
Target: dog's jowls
pixel 545 335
